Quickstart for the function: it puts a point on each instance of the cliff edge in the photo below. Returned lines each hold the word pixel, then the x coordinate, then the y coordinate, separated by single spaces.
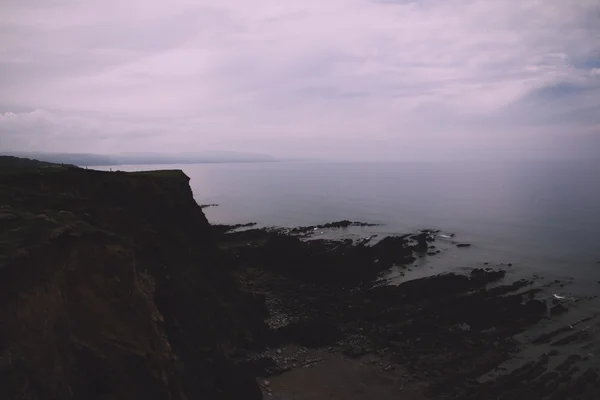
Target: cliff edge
pixel 111 287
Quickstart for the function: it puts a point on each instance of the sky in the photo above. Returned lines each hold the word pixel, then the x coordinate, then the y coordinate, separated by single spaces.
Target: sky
pixel 329 79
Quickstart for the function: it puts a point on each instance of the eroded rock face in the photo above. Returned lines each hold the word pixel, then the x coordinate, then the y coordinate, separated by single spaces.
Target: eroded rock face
pixel 81 323
pixel 112 288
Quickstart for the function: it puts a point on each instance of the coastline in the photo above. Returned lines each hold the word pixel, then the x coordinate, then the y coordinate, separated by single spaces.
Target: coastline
pixel 452 335
pixel 115 284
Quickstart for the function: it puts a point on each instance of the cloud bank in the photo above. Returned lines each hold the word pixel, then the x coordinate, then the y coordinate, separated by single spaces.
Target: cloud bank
pixel 336 79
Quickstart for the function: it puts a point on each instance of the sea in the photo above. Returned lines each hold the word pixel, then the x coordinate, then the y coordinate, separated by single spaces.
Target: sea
pixel 540 216
pixel 537 220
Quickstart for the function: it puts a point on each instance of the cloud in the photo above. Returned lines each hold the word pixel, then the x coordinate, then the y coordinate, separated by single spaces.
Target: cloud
pixel 233 74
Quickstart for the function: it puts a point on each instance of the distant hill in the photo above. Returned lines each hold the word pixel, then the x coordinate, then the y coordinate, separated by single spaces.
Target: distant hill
pixel 11 162
pixel 83 159
pixel 17 162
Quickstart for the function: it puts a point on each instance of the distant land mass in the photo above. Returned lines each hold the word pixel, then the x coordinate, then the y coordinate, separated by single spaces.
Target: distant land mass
pixel 87 159
pixel 17 162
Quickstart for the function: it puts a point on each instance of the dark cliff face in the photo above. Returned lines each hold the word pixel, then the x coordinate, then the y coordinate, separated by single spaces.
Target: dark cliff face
pixel 111 287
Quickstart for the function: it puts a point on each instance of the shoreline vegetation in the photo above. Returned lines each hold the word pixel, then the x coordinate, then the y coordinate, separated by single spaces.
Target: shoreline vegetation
pixel 116 286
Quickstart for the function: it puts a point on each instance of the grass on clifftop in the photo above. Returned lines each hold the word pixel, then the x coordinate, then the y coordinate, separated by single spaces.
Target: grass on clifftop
pixel 34 195
pixel 167 173
pixel 10 165
pixel 21 230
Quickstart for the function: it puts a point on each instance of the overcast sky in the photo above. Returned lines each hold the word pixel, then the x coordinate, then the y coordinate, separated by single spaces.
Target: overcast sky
pixel 336 79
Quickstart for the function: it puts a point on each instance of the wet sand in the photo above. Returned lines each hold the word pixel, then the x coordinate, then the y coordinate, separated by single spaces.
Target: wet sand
pixel 338 377
pixel 473 335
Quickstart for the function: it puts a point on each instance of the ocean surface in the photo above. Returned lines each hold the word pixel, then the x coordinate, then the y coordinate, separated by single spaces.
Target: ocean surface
pixel 543 217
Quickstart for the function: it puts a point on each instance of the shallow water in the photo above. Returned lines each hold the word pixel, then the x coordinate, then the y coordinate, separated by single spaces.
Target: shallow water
pixel 541 216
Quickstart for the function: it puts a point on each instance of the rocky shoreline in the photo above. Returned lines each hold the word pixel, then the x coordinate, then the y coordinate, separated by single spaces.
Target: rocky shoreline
pixel 444 332
pixel 115 286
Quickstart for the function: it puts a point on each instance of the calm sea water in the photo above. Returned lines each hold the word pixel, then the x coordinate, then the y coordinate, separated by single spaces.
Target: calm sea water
pixel 541 216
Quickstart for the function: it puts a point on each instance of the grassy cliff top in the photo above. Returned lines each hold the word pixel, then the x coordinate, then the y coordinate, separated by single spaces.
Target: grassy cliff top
pixel 16 165
pixel 8 163
pixel 39 200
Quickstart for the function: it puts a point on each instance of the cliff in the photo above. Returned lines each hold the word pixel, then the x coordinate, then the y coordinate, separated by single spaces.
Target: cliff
pixel 111 287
